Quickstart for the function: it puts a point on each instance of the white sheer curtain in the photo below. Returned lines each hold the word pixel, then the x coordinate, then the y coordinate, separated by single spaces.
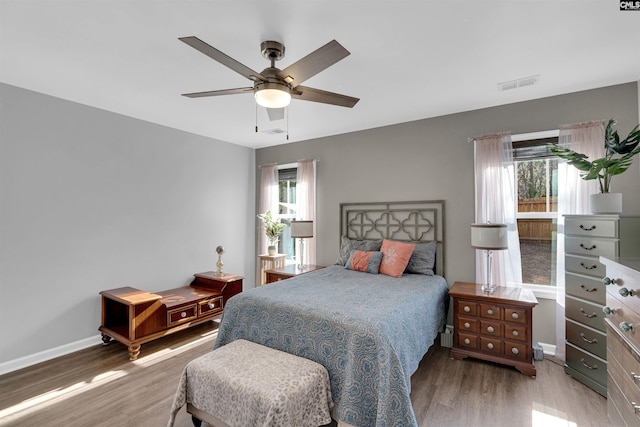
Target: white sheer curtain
pixel 573 198
pixel 268 199
pixel 496 203
pixel 306 204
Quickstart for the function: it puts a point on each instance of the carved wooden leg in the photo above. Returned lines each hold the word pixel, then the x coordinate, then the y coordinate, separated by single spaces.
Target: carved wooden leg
pixel 105 339
pixel 196 421
pixel 134 352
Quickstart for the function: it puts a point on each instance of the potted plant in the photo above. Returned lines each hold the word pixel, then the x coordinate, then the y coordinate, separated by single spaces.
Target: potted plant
pixel 618 157
pixel 272 229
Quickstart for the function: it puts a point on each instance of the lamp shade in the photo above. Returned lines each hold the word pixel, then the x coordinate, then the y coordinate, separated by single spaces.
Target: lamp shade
pixel 301 229
pixel 489 236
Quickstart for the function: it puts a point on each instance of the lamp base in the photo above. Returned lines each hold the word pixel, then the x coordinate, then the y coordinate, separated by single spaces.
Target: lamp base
pixel 488 288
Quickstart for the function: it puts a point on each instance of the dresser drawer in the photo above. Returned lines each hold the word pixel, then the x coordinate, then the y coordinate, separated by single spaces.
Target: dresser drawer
pixel 591 247
pixel 513 331
pixel 181 314
pixel 517 350
pixel 490 311
pixel 588 339
pixel 585 312
pixel 587 364
pixel 585 287
pixel 467 324
pixel 623 313
pixel 468 341
pixel 210 306
pixel 515 315
pixel 491 328
pixel 469 308
pixel 491 345
pixel 623 368
pixel 592 227
pixel 584 265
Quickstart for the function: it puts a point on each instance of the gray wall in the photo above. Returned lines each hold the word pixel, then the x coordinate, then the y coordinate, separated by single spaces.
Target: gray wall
pixel 91 200
pixel 432 159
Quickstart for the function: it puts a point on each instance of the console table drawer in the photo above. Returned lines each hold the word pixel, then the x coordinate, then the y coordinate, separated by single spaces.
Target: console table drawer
pixel 181 314
pixel 209 307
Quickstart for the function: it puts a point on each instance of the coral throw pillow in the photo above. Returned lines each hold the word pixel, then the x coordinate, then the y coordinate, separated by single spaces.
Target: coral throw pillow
pixel 368 262
pixel 395 257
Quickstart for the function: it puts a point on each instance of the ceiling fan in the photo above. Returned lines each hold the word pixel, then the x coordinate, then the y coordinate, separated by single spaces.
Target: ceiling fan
pixel 273 88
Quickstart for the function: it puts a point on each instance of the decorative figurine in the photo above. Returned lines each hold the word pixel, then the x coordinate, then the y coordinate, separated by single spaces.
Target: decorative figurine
pixel 219 264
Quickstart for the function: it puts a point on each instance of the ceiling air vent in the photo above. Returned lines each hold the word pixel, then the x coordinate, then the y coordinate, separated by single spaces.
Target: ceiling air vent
pixel 515 84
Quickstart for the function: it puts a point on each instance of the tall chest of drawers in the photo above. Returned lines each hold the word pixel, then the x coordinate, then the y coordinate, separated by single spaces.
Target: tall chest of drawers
pixel 623 340
pixel 588 237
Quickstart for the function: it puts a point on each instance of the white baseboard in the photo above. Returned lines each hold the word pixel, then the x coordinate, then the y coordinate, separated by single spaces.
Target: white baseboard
pixel 548 349
pixel 43 356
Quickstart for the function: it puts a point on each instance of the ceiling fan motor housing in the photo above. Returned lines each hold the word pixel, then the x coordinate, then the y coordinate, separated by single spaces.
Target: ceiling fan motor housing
pixel 272 50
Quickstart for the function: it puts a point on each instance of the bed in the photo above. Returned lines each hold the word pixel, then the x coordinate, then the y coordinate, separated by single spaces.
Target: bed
pixel 369 331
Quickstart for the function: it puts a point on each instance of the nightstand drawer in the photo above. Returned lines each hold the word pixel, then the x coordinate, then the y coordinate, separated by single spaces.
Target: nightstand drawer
pixel 468 341
pixel 491 328
pixel 491 345
pixel 518 315
pixel 181 314
pixel 469 308
pixel 468 324
pixel 592 227
pixel 211 306
pixel 516 332
pixel 490 311
pixel 274 277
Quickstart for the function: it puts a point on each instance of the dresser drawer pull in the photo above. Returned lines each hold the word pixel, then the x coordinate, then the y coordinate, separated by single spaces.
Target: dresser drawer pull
pixel 588 268
pixel 183 314
pixel 467 341
pixel 608 310
pixel 515 315
pixel 490 329
pixel 634 377
pixel 626 327
pixel 582 227
pixel 608 281
pixel 515 333
pixel 467 309
pixel 593 341
pixel 590 316
pixel 586 248
pixel 626 292
pixel 490 312
pixel 467 325
pixel 212 305
pixel 636 408
pixel 588 290
pixel 586 365
pixel 514 350
pixel 490 346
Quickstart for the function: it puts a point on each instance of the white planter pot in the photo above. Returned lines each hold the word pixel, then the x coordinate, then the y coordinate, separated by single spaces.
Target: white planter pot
pixel 605 203
pixel 272 250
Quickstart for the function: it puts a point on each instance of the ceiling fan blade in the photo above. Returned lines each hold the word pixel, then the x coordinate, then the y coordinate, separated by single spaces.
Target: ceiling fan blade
pixel 275 113
pixel 316 95
pixel 221 57
pixel 218 92
pixel 313 63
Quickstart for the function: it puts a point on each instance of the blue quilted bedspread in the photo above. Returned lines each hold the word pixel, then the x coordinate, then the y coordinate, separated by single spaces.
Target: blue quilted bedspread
pixel 369 330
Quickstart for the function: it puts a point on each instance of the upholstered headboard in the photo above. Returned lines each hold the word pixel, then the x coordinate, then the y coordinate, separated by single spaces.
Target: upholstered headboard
pixel 414 221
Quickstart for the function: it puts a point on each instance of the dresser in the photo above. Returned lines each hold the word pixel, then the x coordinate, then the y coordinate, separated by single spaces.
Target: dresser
pixel 588 237
pixel 623 340
pixel 496 327
pixel 289 271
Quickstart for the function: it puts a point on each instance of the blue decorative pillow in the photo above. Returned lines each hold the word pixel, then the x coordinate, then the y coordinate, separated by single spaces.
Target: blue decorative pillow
pixel 368 262
pixel 423 259
pixel 349 245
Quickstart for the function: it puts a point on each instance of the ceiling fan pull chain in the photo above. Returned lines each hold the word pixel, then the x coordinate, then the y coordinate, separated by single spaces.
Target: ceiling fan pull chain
pixel 256 118
pixel 287 109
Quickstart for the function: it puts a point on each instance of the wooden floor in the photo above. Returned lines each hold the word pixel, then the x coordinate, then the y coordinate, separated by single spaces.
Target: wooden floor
pixel 99 386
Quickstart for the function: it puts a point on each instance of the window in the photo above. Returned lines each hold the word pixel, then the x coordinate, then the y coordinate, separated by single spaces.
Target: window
pixel 537 195
pixel 287 179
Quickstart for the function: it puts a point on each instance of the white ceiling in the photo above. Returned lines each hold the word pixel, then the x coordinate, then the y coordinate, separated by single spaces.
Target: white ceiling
pixel 410 59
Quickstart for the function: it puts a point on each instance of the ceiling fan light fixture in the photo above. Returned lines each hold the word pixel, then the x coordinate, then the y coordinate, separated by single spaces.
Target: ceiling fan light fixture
pixel 272 95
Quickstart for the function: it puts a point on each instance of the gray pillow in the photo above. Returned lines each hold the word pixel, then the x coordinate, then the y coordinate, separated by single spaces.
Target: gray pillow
pixel 349 245
pixel 423 259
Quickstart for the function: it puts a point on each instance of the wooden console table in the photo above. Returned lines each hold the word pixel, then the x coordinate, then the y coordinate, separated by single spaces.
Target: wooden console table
pixel 132 316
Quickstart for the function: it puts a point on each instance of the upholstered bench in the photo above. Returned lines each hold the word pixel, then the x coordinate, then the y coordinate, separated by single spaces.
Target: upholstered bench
pixel 247 384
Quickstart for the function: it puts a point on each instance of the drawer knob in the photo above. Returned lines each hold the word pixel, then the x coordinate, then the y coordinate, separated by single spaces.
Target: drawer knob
pixel 211 305
pixel 588 290
pixel 515 350
pixel 586 228
pixel 467 325
pixel 608 310
pixel 279 279
pixel 490 346
pixel 636 408
pixel 626 292
pixel 584 338
pixel 515 315
pixel 183 314
pixel 634 377
pixel 489 311
pixel 467 309
pixel 590 248
pixel 626 326
pixel 586 267
pixel 609 281
pixel 490 329
pixel 590 316
pixel 515 333
pixel 467 341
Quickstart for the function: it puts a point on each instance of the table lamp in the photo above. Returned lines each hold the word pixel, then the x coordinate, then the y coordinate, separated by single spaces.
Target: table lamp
pixel 489 237
pixel 301 230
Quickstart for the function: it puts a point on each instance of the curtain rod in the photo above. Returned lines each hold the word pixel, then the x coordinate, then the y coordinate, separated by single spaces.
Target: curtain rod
pixel 286 164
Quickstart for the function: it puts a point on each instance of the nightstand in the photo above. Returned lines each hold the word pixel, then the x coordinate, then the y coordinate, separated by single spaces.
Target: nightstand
pixel 495 327
pixel 289 271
